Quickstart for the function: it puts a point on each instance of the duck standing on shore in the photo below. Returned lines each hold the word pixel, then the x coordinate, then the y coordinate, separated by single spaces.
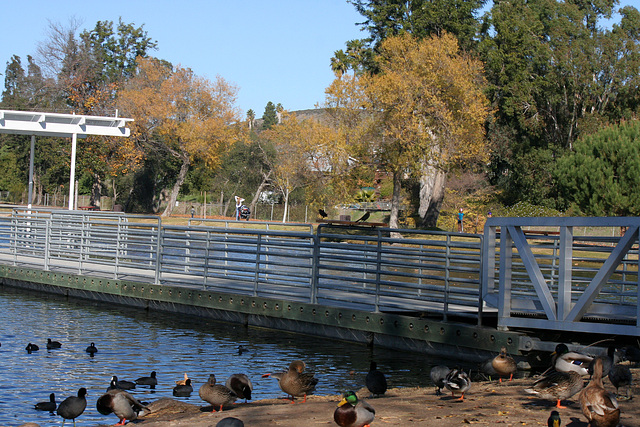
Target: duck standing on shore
pixel 216 394
pixel 352 412
pixel 122 404
pixel 597 404
pixel 457 381
pixel 241 386
pixel 73 406
pixel 375 380
pixel 438 374
pixel 294 381
pixel 557 386
pixel 504 365
pixel 567 361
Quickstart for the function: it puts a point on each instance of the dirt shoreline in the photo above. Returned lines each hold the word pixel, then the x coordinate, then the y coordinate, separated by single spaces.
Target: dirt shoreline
pixel 487 403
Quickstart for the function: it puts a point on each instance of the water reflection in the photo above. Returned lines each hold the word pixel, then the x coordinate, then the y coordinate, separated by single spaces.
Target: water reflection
pixel 131 343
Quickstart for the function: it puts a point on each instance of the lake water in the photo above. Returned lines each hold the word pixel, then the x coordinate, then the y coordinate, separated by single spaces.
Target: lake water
pixel 132 343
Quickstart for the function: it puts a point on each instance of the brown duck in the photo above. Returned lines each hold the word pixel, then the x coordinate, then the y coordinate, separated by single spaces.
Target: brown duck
pixel 296 382
pixel 216 394
pixel 504 365
pixel 598 405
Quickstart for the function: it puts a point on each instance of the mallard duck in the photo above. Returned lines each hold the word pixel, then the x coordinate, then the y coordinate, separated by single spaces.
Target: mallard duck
pixel 73 406
pixel 438 374
pixel 122 404
pixel 120 384
pixel 457 381
pixel 216 394
pixel 504 365
pixel 352 412
pixel 375 380
pixel 151 380
pixel 597 404
pixel 620 376
pixel 566 361
pixel 557 386
pixel 554 419
pixel 53 344
pixel 296 382
pixel 183 390
pixel 32 347
pixel 91 349
pixel 230 422
pixel 47 406
pixel 183 381
pixel 241 386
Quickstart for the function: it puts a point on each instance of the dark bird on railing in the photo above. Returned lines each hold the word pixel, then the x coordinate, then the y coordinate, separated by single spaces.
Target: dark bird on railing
pixel 322 213
pixel 364 217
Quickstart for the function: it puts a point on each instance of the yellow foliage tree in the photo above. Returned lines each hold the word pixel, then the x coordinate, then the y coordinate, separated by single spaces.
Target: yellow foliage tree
pixel 429 108
pixel 182 114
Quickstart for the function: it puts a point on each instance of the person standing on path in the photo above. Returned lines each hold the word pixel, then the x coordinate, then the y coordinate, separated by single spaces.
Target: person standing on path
pixel 460 224
pixel 239 201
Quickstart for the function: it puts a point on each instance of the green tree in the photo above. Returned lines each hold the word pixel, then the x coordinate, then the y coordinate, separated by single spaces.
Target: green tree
pixel 602 176
pixel 270 116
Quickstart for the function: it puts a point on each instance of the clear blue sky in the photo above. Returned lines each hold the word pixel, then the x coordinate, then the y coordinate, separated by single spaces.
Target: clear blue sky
pixel 277 50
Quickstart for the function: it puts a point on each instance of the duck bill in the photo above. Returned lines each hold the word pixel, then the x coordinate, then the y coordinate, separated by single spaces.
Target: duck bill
pixel 342 402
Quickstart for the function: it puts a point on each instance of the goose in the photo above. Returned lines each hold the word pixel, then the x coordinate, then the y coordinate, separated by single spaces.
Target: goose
pixel 91 349
pixel 49 406
pixel 566 361
pixel 183 390
pixel 51 345
pixel 438 375
pixel 598 405
pixel 294 381
pixel 504 365
pixel 375 380
pixel 241 386
pixel 216 394
pixel 457 381
pixel 72 407
pixel 557 386
pixel 122 404
pixel 151 380
pixel 352 412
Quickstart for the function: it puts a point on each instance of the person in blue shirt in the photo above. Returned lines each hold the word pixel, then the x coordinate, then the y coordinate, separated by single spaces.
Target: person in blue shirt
pixel 460 225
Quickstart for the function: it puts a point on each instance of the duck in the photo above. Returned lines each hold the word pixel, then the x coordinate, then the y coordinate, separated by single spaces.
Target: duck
pixel 504 365
pixel 554 419
pixel 151 380
pixel 375 380
pixel 607 361
pixel 566 361
pixel 183 390
pixel 51 345
pixel 230 422
pixel 353 412
pixel 241 386
pixel 557 386
pixel 120 384
pixel 91 349
pixel 73 406
pixel 49 406
pixel 216 394
pixel 242 349
pixel 486 368
pixel 294 381
pixel 620 376
pixel 32 347
pixel 183 381
pixel 457 381
pixel 631 353
pixel 598 405
pixel 438 375
pixel 122 404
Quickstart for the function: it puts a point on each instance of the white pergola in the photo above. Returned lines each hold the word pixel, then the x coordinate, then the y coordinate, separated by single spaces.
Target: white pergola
pixel 60 125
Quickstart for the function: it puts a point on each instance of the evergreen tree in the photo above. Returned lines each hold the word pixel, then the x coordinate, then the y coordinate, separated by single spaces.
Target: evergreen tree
pixel 270 116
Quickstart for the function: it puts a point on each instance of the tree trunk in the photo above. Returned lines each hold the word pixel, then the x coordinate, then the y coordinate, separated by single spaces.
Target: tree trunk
pixel 432 186
pixel 96 191
pixel 395 199
pixel 285 193
pixel 261 187
pixel 176 187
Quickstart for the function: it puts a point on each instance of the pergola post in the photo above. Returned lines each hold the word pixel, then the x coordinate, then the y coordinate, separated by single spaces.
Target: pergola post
pixel 72 172
pixel 31 156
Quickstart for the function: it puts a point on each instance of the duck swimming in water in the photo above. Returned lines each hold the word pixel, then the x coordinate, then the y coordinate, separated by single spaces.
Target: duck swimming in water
pixel 47 406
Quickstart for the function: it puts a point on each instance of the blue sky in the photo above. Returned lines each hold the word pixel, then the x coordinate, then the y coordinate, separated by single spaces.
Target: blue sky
pixel 275 51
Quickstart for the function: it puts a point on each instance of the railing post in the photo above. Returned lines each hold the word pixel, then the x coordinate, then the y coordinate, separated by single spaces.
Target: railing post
pixel 314 266
pixel 47 243
pixel 158 271
pixel 447 265
pixel 378 266
pixel 257 270
pixel 564 273
pixel 504 292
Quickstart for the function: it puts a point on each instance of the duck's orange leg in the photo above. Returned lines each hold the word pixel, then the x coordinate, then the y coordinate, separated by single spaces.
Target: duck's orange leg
pixel 558 405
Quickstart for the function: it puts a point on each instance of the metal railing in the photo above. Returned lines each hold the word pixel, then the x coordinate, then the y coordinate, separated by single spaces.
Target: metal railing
pixel 358 267
pixel 539 275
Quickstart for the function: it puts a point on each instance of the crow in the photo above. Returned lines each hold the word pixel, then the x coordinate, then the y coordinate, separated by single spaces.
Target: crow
pixel 322 213
pixel 364 217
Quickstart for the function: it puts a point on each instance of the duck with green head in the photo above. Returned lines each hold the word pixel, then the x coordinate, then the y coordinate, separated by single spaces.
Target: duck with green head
pixel 353 412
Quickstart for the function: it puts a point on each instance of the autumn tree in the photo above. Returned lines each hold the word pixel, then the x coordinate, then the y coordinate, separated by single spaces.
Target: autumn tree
pixel 182 114
pixel 429 107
